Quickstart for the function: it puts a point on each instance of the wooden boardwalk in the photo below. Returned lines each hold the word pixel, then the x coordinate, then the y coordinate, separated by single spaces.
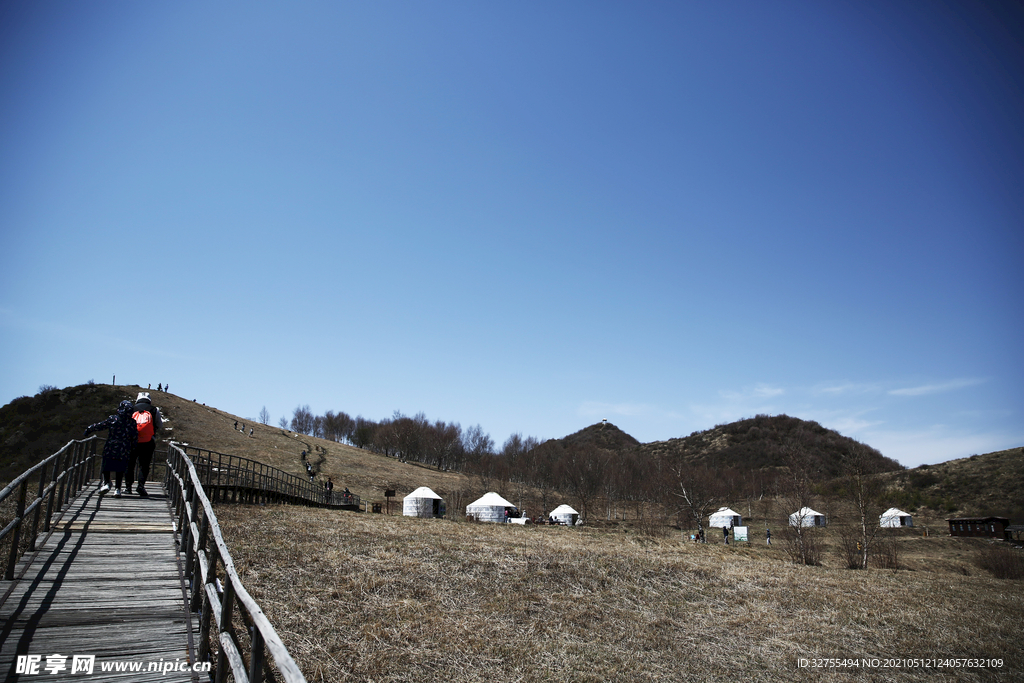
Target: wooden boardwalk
pixel 106 582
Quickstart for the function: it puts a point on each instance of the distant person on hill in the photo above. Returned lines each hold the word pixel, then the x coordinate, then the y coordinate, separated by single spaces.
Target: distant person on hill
pixel 250 431
pixel 121 440
pixel 148 421
pixel 768 535
pixel 158 386
pixel 236 425
pixel 725 532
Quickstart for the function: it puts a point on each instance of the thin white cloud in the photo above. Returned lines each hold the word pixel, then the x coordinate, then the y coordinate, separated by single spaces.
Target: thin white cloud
pixel 846 389
pixel 757 391
pixel 927 389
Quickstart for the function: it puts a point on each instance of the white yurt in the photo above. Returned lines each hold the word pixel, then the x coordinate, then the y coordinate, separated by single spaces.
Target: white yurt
pixel 563 514
pixel 725 518
pixel 895 517
pixel 490 508
pixel 423 503
pixel 807 517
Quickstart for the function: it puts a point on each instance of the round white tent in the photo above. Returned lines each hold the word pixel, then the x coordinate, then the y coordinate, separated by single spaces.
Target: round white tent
pixel 894 517
pixel 423 503
pixel 725 518
pixel 563 514
pixel 807 517
pixel 490 508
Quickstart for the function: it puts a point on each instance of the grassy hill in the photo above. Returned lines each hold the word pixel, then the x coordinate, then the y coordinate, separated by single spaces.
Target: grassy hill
pixel 979 485
pixel 34 427
pixel 768 441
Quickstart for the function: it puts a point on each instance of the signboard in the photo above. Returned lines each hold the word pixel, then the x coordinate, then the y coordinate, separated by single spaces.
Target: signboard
pixel 389 493
pixel 739 533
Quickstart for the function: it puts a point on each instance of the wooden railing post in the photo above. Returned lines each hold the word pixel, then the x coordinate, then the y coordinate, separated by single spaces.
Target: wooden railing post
pixel 39 506
pixel 16 534
pixel 226 607
pixel 256 656
pixel 207 613
pixel 53 485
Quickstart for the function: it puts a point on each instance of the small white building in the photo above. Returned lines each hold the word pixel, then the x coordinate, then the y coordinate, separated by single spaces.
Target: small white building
pixel 894 517
pixel 807 517
pixel 490 508
pixel 725 518
pixel 423 503
pixel 563 514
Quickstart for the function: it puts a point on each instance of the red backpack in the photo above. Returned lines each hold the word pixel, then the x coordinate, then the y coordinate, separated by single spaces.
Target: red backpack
pixel 144 421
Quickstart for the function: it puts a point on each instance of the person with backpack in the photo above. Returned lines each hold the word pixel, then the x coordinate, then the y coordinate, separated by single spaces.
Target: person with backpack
pixel 121 440
pixel 148 422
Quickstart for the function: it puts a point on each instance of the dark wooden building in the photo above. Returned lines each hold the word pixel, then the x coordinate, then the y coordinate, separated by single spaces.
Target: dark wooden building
pixel 989 527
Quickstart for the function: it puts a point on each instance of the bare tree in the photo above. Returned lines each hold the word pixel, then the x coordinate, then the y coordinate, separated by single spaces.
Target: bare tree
pixel 443 444
pixel 800 541
pixel 477 443
pixel 264 416
pixel 363 431
pixel 302 420
pixel 583 469
pixel 698 487
pixel 861 486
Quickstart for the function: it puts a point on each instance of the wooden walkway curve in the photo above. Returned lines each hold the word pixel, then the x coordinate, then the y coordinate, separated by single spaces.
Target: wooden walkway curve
pixel 105 581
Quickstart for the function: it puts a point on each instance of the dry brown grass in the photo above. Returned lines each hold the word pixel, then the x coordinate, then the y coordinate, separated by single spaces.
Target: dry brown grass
pixel 360 597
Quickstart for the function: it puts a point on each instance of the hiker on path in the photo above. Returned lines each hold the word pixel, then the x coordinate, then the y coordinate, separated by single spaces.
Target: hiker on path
pixel 120 441
pixel 725 532
pixel 148 421
pixel 768 535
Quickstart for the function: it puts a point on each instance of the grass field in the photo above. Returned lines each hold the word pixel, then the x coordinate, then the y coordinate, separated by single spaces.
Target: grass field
pixel 360 597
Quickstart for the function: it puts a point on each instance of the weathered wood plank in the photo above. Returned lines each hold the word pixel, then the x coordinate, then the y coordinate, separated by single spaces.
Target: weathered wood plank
pixel 104 582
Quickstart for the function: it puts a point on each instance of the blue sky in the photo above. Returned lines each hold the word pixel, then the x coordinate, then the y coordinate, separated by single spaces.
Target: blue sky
pixel 528 216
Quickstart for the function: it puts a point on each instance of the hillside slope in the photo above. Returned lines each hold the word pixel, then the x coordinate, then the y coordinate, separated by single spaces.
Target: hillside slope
pixel 979 485
pixel 768 442
pixel 34 427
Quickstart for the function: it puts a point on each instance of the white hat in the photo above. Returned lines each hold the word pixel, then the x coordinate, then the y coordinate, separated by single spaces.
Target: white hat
pixel 143 396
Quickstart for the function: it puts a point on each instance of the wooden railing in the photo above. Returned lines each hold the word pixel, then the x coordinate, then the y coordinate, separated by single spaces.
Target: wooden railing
pixel 229 478
pixel 207 561
pixel 61 476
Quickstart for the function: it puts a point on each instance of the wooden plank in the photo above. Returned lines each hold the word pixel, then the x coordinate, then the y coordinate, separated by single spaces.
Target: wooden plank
pixel 104 582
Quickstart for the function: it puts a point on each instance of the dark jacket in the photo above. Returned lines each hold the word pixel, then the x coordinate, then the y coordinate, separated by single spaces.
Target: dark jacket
pixel 147 405
pixel 121 438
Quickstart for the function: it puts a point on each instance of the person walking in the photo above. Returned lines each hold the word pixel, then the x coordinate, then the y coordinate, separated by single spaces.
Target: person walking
pixel 121 438
pixel 725 532
pixel 147 419
pixel 768 535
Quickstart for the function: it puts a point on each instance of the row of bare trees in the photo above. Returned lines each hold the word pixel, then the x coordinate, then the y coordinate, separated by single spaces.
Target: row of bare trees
pixel 440 444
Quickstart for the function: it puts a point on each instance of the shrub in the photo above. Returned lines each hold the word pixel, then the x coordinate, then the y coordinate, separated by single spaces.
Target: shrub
pixel 1002 562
